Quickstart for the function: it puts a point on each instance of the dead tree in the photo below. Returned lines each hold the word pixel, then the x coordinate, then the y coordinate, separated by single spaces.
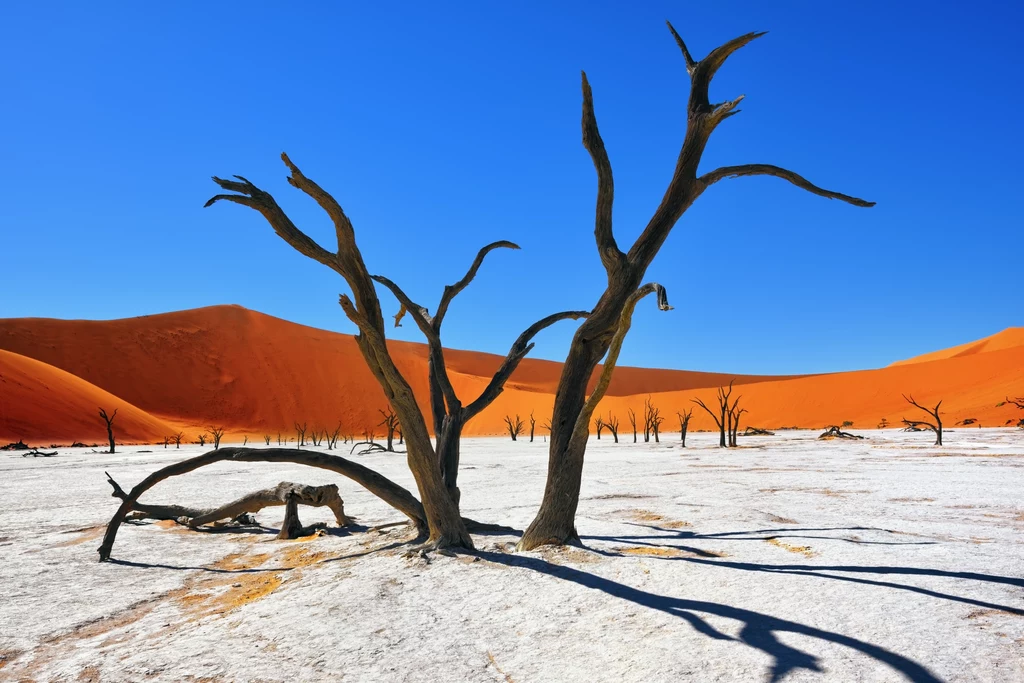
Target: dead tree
pixel 514 427
pixel 722 416
pixel 266 439
pixel 533 424
pixel 242 509
pixel 836 432
pixel 167 441
pixel 656 421
pixel 756 431
pixel 612 423
pixel 317 437
pixel 177 439
pixel 245 439
pixel 599 426
pixel 332 438
pixel 217 433
pixel 734 420
pixel 684 424
pixel 916 425
pixel 300 434
pixel 447 411
pixel 883 423
pixel 647 419
pixel 390 424
pixel 1019 403
pixel 632 421
pixel 201 438
pixel 109 420
pixel 555 521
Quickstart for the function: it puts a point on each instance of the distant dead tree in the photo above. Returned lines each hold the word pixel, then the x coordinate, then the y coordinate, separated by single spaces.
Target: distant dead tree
pixel 648 414
pixel 846 423
pixel 515 427
pixel 632 421
pixel 390 424
pixel 1019 403
pixel 599 425
pixel 883 423
pixel 684 424
pixel 201 438
pixel 217 433
pixel 317 437
pixel 967 421
pixel 734 420
pixel 721 418
pixel 332 438
pixel 612 423
pixel 109 420
pixel 300 434
pixel 176 438
pixel 167 440
pixel 279 438
pixel 245 439
pixel 757 431
pixel 918 425
pixel 533 424
pixel 266 439
pixel 546 425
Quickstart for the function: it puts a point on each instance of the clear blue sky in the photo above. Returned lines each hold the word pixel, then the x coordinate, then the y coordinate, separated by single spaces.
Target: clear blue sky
pixel 442 126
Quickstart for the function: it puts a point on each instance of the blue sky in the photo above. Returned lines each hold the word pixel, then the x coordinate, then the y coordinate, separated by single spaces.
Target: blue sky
pixel 444 126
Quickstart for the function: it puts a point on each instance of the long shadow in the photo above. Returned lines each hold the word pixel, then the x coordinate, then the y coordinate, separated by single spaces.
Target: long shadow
pixel 786 532
pixel 758 631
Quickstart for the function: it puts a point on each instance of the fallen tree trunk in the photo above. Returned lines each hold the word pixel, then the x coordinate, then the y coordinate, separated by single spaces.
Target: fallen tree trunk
pixel 377 484
pixel 834 432
pixel 282 494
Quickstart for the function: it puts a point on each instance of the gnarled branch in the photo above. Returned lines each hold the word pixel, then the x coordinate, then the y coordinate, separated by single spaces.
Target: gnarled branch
pixel 611 256
pixel 712 177
pixel 451 291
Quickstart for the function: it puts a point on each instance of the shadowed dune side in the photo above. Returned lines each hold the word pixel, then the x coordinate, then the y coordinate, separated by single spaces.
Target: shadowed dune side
pixel 1007 339
pixel 41 403
pixel 255 374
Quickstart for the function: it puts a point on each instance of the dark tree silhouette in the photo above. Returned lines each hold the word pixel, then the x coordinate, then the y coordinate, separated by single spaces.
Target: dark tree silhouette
pixel 721 417
pixel 514 427
pixel 390 424
pixel 201 438
pixel 883 423
pixel 332 438
pixel 734 420
pixel 167 441
pixel 266 439
pixel 176 438
pixel 555 521
pixel 300 434
pixel 917 425
pixel 599 426
pixel 612 423
pixel 109 421
pixel 632 421
pixel 533 425
pixel 217 433
pixel 684 424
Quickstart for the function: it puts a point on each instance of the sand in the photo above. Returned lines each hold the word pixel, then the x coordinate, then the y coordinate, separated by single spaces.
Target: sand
pixel 788 559
pixel 255 374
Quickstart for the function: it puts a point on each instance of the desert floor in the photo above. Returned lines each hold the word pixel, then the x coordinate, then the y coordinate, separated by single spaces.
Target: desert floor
pixel 879 560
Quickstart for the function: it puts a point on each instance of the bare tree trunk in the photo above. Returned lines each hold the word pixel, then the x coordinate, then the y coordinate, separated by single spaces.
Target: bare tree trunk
pixel 109 420
pixel 934 413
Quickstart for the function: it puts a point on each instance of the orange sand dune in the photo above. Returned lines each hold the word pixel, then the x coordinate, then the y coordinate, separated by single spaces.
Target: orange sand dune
pixel 43 404
pixel 255 374
pixel 1007 339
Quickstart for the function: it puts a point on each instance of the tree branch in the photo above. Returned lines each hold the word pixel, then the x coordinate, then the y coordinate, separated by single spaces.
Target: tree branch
pixel 451 291
pixel 714 417
pixel 520 348
pixel 713 177
pixel 611 256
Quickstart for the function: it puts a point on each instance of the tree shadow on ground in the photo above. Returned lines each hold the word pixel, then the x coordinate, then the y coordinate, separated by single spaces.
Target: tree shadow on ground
pixel 758 630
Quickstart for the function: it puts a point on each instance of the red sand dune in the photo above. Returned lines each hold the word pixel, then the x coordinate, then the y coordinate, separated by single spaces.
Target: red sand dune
pixel 255 374
pixel 1007 339
pixel 43 404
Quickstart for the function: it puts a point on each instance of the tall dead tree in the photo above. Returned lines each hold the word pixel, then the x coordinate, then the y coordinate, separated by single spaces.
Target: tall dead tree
pixel 599 426
pixel 447 410
pixel 916 425
pixel 514 426
pixel 300 434
pixel 217 433
pixel 721 418
pixel 109 421
pixel 533 425
pixel 734 420
pixel 612 423
pixel 555 520
pixel 684 424
pixel 390 424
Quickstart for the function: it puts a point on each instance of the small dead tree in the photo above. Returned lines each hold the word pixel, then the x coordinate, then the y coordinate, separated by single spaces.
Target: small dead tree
pixel 217 433
pixel 515 427
pixel 317 437
pixel 612 423
pixel 632 421
pixel 599 425
pixel 883 423
pixel 648 417
pixel 109 421
pixel 684 424
pixel 918 425
pixel 300 434
pixel 332 438
pixel 266 439
pixel 721 418
pixel 656 421
pixel 176 438
pixel 167 441
pixel 201 438
pixel 533 424
pixel 245 440
pixel 390 424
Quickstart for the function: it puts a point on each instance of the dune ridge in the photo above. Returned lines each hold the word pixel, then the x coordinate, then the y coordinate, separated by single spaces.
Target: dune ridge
pixel 256 374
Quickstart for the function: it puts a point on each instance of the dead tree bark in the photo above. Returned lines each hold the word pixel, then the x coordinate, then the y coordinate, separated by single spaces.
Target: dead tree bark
pixel 390 424
pixel 613 426
pixel 217 433
pixel 555 521
pixel 533 424
pixel 684 424
pixel 514 427
pixel 632 421
pixel 449 415
pixel 919 424
pixel 599 426
pixel 382 487
pixel 109 420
